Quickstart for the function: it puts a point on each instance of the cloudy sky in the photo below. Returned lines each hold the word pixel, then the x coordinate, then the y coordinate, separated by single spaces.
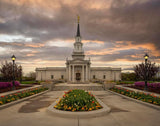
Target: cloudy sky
pixel 115 33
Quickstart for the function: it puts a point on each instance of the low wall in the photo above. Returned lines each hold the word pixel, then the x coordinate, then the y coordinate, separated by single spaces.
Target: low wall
pixel 49 85
pixel 81 114
pixel 137 90
pixel 107 86
pixel 23 89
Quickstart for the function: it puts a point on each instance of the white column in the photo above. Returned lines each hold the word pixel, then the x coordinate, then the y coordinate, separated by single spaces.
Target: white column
pixel 82 73
pixel 45 75
pixel 89 73
pixel 41 75
pixel 73 73
pixel 86 73
pixel 69 72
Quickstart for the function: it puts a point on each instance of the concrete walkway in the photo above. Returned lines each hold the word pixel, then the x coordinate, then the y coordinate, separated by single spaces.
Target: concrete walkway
pixel 124 113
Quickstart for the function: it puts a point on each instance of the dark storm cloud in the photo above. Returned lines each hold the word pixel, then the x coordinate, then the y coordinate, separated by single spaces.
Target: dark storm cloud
pixel 49 53
pixel 136 22
pixel 122 20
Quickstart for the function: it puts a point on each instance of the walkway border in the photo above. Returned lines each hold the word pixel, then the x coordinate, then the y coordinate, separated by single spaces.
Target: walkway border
pixel 136 100
pixel 21 100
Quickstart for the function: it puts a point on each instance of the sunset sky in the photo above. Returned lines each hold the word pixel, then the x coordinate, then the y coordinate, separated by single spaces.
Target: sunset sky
pixel 115 33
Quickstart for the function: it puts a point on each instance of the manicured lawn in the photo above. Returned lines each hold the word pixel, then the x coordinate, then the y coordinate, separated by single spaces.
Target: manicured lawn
pixel 125 82
pixel 28 82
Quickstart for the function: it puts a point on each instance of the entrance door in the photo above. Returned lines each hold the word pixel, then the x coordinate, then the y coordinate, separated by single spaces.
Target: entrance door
pixel 78 76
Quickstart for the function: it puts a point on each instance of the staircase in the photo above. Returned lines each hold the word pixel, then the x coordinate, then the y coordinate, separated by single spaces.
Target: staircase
pixel 90 87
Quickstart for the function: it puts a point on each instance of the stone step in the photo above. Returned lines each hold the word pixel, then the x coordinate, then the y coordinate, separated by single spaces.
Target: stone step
pixel 91 88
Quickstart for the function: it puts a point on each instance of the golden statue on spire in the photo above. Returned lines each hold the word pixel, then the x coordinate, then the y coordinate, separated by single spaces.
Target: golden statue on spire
pixel 78 18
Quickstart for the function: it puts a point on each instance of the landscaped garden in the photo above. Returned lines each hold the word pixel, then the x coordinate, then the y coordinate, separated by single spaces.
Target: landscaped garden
pixel 150 98
pixel 77 100
pixel 20 94
pixel 152 87
pixel 7 86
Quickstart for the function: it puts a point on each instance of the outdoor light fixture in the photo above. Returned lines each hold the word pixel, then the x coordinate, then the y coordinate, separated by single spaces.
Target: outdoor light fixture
pixel 13 58
pixel 13 82
pixel 146 56
pixel 146 71
pixel 20 73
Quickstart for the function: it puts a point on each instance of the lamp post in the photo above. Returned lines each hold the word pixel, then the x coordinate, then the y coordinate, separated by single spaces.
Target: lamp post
pixel 146 71
pixel 20 73
pixel 13 59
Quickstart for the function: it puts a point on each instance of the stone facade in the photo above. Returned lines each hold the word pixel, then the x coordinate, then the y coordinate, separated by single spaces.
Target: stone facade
pixel 78 70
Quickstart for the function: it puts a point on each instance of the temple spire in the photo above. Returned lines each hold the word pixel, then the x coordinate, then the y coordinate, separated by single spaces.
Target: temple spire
pixel 78 29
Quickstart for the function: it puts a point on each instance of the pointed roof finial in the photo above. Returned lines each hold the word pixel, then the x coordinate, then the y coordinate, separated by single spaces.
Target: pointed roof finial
pixel 78 18
pixel 78 29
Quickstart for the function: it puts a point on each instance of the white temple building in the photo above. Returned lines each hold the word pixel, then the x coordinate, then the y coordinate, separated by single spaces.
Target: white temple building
pixel 78 70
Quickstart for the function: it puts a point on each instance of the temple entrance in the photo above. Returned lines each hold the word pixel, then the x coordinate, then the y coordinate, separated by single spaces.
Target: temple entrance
pixel 78 76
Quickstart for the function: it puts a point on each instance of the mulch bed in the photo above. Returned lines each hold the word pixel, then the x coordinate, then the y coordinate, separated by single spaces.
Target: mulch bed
pixel 2 90
pixel 155 90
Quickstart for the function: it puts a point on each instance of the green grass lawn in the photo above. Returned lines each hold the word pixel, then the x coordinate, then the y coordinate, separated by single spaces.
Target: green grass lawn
pixel 28 82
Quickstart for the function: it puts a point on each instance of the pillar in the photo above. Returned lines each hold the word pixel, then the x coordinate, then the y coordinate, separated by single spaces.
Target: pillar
pixel 41 75
pixel 73 73
pixel 82 73
pixel 86 73
pixel 89 72
pixel 69 72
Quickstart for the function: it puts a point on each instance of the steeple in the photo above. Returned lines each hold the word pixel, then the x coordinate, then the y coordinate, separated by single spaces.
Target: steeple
pixel 78 29
pixel 78 52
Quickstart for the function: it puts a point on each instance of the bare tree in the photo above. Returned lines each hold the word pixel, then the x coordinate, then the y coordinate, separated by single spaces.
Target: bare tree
pixel 151 70
pixel 7 71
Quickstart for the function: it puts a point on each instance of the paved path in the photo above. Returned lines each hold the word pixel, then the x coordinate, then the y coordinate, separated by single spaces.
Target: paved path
pixel 124 113
pixel 66 84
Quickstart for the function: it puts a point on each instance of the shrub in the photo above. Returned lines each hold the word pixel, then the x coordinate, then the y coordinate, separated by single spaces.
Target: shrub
pixel 152 85
pixel 8 84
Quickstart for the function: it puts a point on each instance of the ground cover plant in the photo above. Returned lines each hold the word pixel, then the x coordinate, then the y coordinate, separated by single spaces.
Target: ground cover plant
pixel 150 98
pixel 30 82
pixel 152 87
pixel 8 84
pixel 20 95
pixel 77 100
pixel 125 82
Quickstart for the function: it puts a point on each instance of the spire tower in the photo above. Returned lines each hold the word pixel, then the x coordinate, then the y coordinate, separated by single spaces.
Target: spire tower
pixel 78 52
pixel 78 28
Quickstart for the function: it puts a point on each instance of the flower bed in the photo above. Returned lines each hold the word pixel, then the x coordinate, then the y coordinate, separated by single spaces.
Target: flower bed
pixel 77 100
pixel 20 94
pixel 152 87
pixel 150 98
pixel 8 84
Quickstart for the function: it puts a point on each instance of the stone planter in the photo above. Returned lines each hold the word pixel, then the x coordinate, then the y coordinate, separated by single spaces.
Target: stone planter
pixel 82 114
